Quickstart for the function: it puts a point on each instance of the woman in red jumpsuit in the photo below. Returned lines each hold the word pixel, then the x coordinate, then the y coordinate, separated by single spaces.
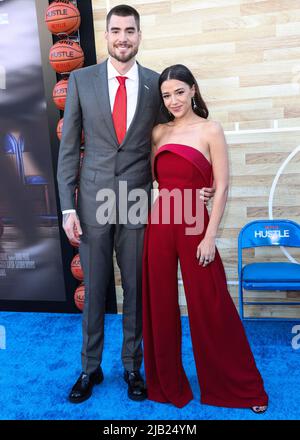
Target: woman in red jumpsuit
pixel 190 152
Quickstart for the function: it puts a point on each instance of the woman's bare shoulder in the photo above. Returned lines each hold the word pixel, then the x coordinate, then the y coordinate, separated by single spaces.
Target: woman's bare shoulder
pixel 157 132
pixel 214 128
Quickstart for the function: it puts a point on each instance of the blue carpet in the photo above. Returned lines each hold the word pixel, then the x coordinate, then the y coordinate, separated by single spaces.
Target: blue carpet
pixel 42 361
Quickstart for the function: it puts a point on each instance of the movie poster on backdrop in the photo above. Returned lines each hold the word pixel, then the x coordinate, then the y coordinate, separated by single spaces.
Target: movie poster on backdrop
pixel 30 252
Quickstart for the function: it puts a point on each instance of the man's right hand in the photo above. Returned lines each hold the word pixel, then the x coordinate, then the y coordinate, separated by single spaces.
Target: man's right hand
pixel 71 226
pixel 206 194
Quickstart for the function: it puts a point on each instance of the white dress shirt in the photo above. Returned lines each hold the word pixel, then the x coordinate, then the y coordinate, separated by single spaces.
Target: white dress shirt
pixel 132 88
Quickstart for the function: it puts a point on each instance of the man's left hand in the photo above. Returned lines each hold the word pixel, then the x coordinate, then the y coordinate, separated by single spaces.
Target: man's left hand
pixel 206 194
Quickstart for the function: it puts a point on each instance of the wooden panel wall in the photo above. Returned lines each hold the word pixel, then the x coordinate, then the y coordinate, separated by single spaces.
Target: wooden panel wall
pixel 246 57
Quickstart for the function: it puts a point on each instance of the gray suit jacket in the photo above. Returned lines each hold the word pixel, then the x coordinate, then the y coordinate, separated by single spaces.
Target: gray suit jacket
pixel 105 162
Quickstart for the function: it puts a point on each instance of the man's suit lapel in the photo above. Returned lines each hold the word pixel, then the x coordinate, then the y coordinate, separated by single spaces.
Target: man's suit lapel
pixel 143 97
pixel 102 94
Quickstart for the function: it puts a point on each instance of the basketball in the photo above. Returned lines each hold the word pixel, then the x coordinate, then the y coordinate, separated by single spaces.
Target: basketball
pixel 59 94
pixel 59 128
pixel 79 297
pixel 76 268
pixel 65 56
pixel 62 17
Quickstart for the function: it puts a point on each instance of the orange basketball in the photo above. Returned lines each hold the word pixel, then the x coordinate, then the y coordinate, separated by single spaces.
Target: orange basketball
pixel 59 128
pixel 79 297
pixel 62 17
pixel 59 93
pixel 65 56
pixel 76 268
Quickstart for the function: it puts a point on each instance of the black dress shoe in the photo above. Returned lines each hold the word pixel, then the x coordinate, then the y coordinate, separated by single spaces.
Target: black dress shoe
pixel 136 385
pixel 83 388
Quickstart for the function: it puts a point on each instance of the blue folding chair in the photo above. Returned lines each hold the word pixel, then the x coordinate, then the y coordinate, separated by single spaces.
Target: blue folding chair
pixel 269 275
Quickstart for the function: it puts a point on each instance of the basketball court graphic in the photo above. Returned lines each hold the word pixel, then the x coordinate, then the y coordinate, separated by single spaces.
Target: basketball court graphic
pixel 272 191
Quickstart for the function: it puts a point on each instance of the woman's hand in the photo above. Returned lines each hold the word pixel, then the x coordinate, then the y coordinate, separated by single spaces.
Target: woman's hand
pixel 206 251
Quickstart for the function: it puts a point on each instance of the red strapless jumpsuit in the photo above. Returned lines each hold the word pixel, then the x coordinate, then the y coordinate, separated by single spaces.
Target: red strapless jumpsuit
pixel 226 369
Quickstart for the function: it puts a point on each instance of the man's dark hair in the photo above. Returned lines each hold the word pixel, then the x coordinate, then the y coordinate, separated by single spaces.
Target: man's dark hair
pixel 123 11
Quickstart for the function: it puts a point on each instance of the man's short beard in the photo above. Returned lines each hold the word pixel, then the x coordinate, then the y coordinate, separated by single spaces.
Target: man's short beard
pixel 123 60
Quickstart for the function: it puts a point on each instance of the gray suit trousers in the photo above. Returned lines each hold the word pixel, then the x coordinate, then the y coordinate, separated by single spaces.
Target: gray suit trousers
pixel 96 253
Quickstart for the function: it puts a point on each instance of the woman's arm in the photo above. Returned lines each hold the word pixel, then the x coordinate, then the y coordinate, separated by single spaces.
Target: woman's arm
pixel 156 134
pixel 219 157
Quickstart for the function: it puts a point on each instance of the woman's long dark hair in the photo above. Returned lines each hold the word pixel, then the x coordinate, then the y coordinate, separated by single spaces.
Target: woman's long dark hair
pixel 182 73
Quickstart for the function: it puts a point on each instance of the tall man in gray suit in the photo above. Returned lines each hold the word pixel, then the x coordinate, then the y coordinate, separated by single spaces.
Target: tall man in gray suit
pixel 110 156
pixel 117 103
